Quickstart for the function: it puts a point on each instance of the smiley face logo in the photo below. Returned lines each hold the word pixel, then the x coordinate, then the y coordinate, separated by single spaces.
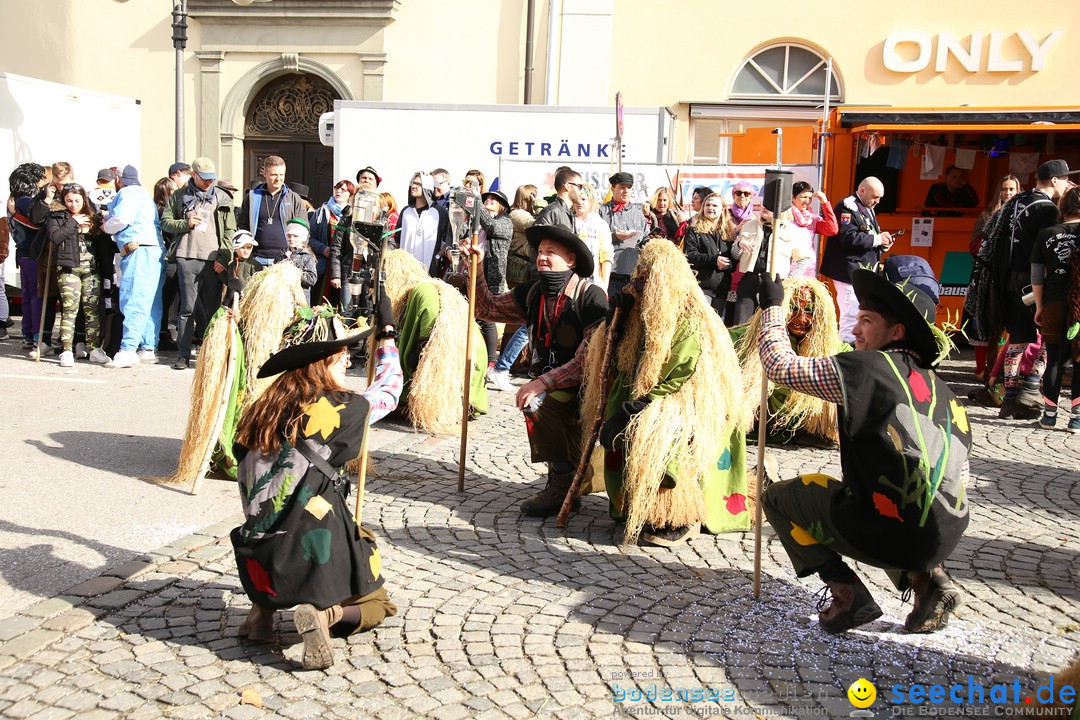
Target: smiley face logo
pixel 862 693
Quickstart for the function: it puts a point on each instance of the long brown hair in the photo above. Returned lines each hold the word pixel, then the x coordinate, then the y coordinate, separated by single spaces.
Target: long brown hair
pixel 88 208
pixel 723 226
pixel 279 409
pixel 525 199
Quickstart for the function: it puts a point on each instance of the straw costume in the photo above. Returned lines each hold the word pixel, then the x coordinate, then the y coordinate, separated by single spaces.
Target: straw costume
pixel 811 323
pixel 675 444
pixel 904 447
pixel 432 316
pixel 299 543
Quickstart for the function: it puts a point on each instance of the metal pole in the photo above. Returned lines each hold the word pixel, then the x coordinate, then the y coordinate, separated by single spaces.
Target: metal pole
pixel 824 126
pixel 554 11
pixel 179 14
pixel 530 8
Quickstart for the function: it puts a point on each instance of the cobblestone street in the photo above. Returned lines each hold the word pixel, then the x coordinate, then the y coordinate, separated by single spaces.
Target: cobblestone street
pixel 503 616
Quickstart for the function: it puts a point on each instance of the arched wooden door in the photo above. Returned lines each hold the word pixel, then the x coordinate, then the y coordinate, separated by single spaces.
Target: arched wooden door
pixel 283 120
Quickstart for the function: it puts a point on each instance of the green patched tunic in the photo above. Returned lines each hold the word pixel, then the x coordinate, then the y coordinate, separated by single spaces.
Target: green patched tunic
pixel 723 485
pixel 421 311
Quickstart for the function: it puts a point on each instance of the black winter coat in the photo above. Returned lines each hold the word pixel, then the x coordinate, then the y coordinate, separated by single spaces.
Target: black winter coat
pixel 702 251
pixel 63 232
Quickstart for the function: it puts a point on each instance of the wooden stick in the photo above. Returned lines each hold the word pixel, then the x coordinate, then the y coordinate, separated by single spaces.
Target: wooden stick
pixel 763 408
pixel 468 364
pixel 219 419
pixel 44 298
pixel 361 475
pixel 598 421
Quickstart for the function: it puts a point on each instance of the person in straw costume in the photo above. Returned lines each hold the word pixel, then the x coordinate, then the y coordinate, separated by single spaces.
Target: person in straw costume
pixel 674 440
pixel 432 316
pixel 905 442
pixel 299 544
pixel 794 417
pixel 562 309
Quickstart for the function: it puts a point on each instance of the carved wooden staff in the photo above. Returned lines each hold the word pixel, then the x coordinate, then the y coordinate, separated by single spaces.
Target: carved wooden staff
pixel 473 244
pixel 763 408
pixel 598 421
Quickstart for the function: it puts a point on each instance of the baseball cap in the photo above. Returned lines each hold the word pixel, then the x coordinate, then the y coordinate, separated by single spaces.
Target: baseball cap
pixel 204 168
pixel 242 238
pixel 130 176
pixel 106 175
pixel 178 167
pixel 1054 168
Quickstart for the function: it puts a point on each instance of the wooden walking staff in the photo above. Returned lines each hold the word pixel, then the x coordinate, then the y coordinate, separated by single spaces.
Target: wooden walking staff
pixel 780 185
pixel 474 243
pixel 361 475
pixel 44 298
pixel 598 421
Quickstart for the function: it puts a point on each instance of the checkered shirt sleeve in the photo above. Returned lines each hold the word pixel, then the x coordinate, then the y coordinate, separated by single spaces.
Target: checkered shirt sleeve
pixel 816 376
pixel 386 389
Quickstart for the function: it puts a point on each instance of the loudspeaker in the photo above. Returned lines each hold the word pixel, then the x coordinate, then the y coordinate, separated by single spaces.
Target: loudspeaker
pixel 777 182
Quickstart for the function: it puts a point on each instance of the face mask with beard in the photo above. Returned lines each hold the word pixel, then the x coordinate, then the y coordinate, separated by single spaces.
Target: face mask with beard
pixel 802 313
pixel 552 282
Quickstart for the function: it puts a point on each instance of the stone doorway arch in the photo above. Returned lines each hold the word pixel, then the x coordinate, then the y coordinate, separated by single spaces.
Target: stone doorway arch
pixel 283 119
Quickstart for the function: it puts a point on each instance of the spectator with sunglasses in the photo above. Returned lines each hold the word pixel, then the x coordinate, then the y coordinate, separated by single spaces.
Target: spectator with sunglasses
pixel 71 232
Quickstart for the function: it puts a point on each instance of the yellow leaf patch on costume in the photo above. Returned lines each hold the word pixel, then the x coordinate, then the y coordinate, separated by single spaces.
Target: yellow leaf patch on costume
pixel 959 415
pixel 816 478
pixel 802 537
pixel 322 418
pixel 318 507
pixel 376 563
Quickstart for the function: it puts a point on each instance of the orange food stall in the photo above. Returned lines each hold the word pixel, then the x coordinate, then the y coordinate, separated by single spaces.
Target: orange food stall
pixel 909 149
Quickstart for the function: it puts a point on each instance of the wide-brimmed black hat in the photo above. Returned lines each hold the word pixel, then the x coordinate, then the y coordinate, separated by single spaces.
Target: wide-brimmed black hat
pixel 583 264
pixel 316 334
pixel 911 305
pixel 498 196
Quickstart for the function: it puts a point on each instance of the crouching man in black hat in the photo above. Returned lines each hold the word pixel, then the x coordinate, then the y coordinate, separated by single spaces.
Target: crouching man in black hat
pixel 904 447
pixel 561 309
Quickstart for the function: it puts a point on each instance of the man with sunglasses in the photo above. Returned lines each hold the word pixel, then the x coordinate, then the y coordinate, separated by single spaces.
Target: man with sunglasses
pixel 560 211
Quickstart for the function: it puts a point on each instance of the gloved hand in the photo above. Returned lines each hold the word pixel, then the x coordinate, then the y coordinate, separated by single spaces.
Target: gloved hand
pixel 616 424
pixel 620 300
pixel 770 290
pixel 384 313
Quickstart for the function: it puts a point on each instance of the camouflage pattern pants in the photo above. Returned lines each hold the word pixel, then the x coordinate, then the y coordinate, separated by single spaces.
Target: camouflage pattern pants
pixel 79 286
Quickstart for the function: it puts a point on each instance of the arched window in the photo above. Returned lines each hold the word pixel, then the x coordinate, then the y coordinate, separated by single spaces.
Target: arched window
pixel 786 73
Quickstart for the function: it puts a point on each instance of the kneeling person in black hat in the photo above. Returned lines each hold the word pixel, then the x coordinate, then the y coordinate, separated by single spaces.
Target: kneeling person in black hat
pixel 299 544
pixel 561 309
pixel 904 448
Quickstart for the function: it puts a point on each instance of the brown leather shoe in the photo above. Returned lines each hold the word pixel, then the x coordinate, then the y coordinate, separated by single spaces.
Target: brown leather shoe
pixel 549 501
pixel 852 605
pixel 314 628
pixel 259 625
pixel 936 597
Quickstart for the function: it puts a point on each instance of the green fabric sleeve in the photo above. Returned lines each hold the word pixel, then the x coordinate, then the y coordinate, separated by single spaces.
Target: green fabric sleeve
pixel 680 364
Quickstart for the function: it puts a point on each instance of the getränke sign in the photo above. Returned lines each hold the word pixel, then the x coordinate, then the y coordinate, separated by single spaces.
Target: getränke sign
pixel 911 51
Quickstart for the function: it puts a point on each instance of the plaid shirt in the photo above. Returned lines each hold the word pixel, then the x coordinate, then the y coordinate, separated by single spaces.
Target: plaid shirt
pixel 816 376
pixel 504 308
pixel 386 389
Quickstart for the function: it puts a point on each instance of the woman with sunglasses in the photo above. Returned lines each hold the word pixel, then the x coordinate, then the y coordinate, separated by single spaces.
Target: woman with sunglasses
pixel 322 234
pixel 71 233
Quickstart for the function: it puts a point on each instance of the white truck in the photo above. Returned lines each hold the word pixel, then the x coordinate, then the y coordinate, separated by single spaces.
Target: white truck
pixel 46 122
pixel 398 139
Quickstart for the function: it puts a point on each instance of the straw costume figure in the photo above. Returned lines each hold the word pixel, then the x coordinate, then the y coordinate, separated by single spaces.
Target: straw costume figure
pixel 432 316
pixel 811 324
pixel 299 543
pixel 905 441
pixel 674 439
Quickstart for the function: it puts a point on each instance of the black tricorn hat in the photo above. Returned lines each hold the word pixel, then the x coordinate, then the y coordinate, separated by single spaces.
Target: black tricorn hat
pixel 911 305
pixel 583 264
pixel 316 334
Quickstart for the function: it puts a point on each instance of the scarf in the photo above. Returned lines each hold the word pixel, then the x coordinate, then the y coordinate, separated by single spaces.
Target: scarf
pixel 334 206
pixel 802 218
pixel 618 207
pixel 196 198
pixel 552 283
pixel 741 214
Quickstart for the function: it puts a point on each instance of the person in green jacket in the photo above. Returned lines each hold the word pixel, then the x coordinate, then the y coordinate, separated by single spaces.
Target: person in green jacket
pixel 431 318
pixel 674 441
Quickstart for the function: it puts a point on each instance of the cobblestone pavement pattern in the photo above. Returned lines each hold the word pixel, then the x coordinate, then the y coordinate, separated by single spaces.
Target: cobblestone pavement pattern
pixel 503 616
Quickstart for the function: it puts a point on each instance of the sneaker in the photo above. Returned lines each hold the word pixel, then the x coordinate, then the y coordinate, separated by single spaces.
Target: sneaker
pixel 180 364
pixel 37 351
pixel 80 351
pixel 97 355
pixel 4 334
pixel 500 380
pixel 147 356
pixel 852 605
pixel 6 323
pixel 1048 420
pixel 67 359
pixel 935 599
pixel 1074 424
pixel 123 359
pixel 27 344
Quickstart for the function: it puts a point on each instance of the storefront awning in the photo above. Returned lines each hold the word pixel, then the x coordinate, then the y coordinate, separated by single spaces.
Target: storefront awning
pixel 960 119
pixel 979 128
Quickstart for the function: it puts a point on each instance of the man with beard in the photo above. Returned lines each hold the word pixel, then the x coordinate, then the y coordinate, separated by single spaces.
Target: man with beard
pixel 561 309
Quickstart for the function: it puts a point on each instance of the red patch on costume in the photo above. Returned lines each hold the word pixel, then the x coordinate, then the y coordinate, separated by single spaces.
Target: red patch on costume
pixel 259 577
pixel 845 217
pixel 735 503
pixel 886 507
pixel 918 387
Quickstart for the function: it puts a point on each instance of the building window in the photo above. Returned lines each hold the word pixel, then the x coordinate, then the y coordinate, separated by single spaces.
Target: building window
pixel 784 73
